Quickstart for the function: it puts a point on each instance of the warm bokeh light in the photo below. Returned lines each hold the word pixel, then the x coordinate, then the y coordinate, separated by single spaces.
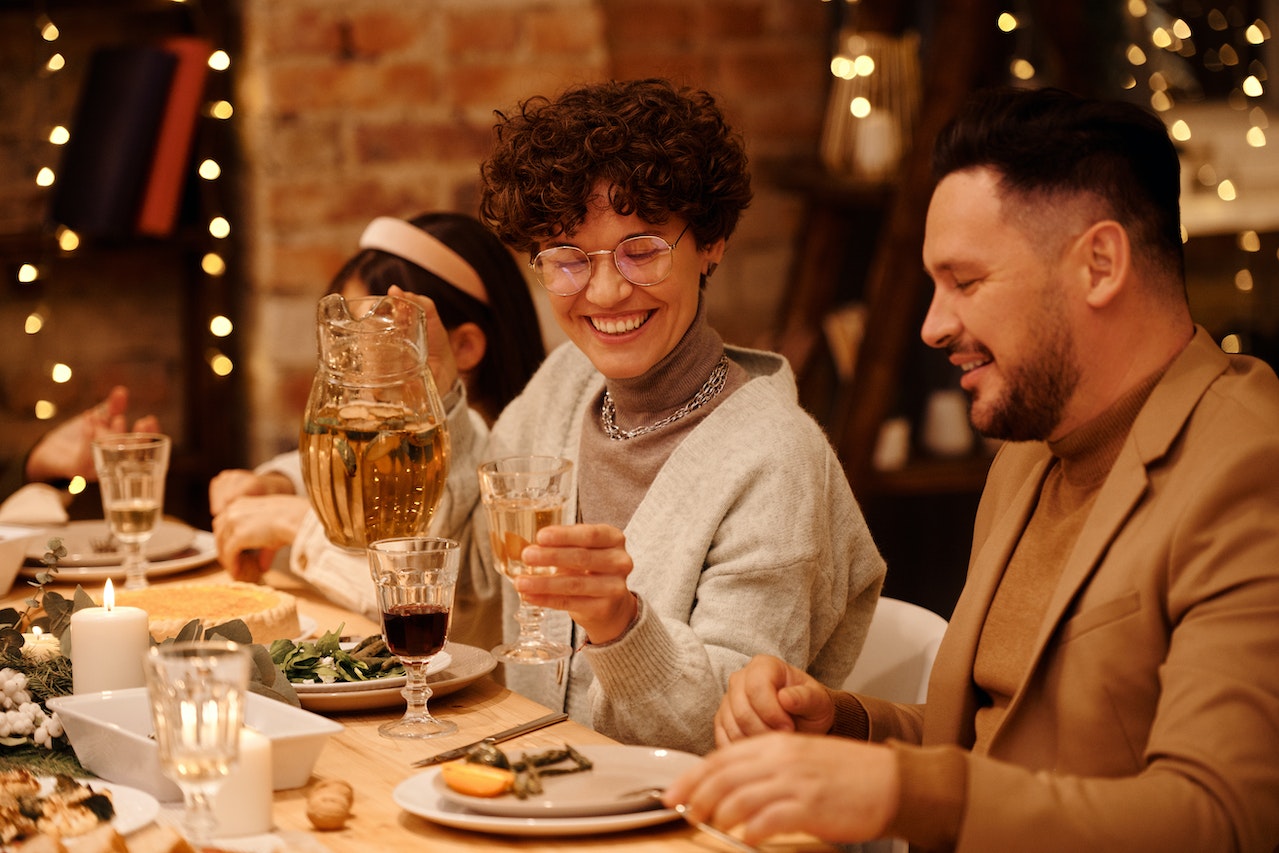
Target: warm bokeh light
pixel 219 227
pixel 221 365
pixel 1136 55
pixel 1249 241
pixel 1160 101
pixel 220 326
pixel 219 60
pixel 221 109
pixel 56 63
pixel 1256 137
pixel 1180 130
pixel 61 373
pixel 59 135
pixel 863 66
pixel 860 107
pixel 1226 190
pixel 77 484
pixel 44 178
pixel 210 170
pixel 1137 8
pixel 68 240
pixel 44 410
pixel 48 30
pixel 212 264
pixel 1022 69
pixel 1007 22
pixel 1230 343
pixel 1161 38
pixel 33 324
pixel 1252 86
pixel 1181 29
pixel 28 273
pixel 1243 281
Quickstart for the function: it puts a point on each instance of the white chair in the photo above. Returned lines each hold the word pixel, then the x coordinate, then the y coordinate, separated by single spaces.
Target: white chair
pixel 899 651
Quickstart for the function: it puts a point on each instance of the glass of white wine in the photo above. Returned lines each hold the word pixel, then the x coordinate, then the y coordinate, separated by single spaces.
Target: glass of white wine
pixel 131 470
pixel 523 494
pixel 197 692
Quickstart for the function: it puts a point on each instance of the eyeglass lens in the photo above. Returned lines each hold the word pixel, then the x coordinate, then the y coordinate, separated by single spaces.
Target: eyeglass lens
pixel 643 260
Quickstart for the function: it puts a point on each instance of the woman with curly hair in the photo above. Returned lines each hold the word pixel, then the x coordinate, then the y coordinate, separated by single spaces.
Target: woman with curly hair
pixel 713 520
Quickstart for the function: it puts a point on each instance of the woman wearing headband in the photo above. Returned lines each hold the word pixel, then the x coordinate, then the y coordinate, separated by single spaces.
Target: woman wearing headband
pixel 483 301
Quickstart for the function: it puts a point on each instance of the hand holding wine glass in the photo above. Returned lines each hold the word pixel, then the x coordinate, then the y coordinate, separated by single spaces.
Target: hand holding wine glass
pixel 523 494
pixel 197 692
pixel 131 470
pixel 415 578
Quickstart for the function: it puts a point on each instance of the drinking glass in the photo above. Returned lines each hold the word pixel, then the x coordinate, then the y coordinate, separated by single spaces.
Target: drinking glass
pixel 523 494
pixel 131 470
pixel 197 694
pixel 415 577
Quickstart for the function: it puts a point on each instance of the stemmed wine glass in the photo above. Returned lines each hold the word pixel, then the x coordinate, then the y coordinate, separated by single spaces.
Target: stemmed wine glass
pixel 131 470
pixel 197 692
pixel 523 494
pixel 415 577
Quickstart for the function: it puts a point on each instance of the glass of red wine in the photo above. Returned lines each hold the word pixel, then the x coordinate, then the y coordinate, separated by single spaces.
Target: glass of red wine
pixel 415 577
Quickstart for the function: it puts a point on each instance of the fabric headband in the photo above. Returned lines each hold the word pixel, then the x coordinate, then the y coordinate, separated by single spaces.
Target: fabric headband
pixel 407 241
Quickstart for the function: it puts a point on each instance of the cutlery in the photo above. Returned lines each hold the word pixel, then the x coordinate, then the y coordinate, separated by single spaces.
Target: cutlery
pixel 513 732
pixel 731 840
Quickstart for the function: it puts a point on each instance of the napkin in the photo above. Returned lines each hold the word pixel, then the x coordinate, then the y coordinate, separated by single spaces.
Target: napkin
pixel 35 504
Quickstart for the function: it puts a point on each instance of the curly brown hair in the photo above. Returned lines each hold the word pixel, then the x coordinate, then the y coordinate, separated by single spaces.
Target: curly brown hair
pixel 662 151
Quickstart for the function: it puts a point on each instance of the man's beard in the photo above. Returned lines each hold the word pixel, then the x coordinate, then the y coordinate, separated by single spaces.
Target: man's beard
pixel 1037 391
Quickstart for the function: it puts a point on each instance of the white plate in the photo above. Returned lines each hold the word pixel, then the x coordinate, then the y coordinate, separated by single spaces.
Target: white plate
pixel 134 809
pixel 169 539
pixel 437 664
pixel 418 795
pixel 616 784
pixel 468 665
pixel 202 552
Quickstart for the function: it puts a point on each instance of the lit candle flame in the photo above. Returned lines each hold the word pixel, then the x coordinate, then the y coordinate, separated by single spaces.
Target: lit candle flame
pixel 108 596
pixel 36 631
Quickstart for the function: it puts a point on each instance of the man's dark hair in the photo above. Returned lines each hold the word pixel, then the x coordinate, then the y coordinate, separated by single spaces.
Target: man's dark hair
pixel 1046 142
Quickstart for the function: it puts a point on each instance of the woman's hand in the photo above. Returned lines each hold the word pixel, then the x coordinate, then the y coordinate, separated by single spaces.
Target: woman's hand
pixel 250 530
pixel 226 486
pixel 591 565
pixel 439 355
pixel 769 694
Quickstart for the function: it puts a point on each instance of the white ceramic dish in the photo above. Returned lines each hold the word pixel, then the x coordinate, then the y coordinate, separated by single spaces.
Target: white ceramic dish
pixel 14 542
pixel 134 809
pixel 169 539
pixel 201 552
pixel 616 784
pixel 468 665
pixel 437 664
pixel 111 734
pixel 418 795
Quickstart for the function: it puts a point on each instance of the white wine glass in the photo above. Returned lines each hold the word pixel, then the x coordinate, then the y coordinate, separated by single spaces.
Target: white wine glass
pixel 131 470
pixel 197 692
pixel 523 494
pixel 415 578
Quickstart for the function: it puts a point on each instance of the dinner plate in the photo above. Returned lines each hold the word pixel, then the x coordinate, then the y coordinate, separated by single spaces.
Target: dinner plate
pixel 134 809
pixel 620 781
pixel 169 539
pixel 418 795
pixel 468 665
pixel 201 552
pixel 437 664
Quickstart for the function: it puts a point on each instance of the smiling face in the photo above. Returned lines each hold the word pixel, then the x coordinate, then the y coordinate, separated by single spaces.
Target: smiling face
pixel 999 308
pixel 622 328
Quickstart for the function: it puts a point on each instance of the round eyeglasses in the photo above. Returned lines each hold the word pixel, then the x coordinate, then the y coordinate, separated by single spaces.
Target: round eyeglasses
pixel 643 260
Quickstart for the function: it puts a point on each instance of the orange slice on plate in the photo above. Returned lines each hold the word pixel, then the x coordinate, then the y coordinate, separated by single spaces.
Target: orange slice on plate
pixel 476 780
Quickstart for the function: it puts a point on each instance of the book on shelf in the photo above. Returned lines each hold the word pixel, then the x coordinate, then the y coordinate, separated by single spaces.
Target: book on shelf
pixel 171 164
pixel 106 162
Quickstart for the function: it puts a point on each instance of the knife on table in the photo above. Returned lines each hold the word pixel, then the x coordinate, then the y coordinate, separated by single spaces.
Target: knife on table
pixel 513 732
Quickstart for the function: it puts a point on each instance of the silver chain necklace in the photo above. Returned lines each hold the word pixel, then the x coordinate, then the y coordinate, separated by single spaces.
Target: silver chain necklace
pixel 709 391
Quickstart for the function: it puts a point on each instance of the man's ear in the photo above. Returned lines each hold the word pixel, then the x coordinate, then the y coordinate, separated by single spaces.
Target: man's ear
pixel 469 345
pixel 1107 254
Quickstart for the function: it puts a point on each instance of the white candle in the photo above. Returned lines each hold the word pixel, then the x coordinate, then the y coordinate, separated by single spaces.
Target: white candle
pixel 38 646
pixel 107 646
pixel 242 806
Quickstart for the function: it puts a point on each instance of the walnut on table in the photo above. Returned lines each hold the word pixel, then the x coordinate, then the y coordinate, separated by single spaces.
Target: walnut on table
pixel 328 805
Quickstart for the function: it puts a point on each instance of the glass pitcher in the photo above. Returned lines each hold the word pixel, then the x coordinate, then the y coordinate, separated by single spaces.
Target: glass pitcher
pixel 374 445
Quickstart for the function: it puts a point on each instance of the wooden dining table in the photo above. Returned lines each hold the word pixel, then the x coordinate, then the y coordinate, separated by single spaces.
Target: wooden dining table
pixel 374 765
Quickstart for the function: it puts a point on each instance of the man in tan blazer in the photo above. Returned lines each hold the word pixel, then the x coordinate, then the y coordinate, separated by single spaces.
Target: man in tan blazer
pixel 1110 677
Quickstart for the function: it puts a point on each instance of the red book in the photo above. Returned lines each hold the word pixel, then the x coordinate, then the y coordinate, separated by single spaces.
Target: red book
pixel 158 211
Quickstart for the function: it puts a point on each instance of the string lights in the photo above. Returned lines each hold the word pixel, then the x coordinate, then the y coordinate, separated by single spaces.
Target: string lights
pixel 33 272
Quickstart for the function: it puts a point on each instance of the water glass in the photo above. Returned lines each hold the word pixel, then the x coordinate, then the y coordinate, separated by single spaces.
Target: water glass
pixel 131 470
pixel 197 692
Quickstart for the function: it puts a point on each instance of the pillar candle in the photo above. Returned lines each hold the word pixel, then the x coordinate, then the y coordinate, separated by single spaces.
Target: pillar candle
pixel 242 806
pixel 107 646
